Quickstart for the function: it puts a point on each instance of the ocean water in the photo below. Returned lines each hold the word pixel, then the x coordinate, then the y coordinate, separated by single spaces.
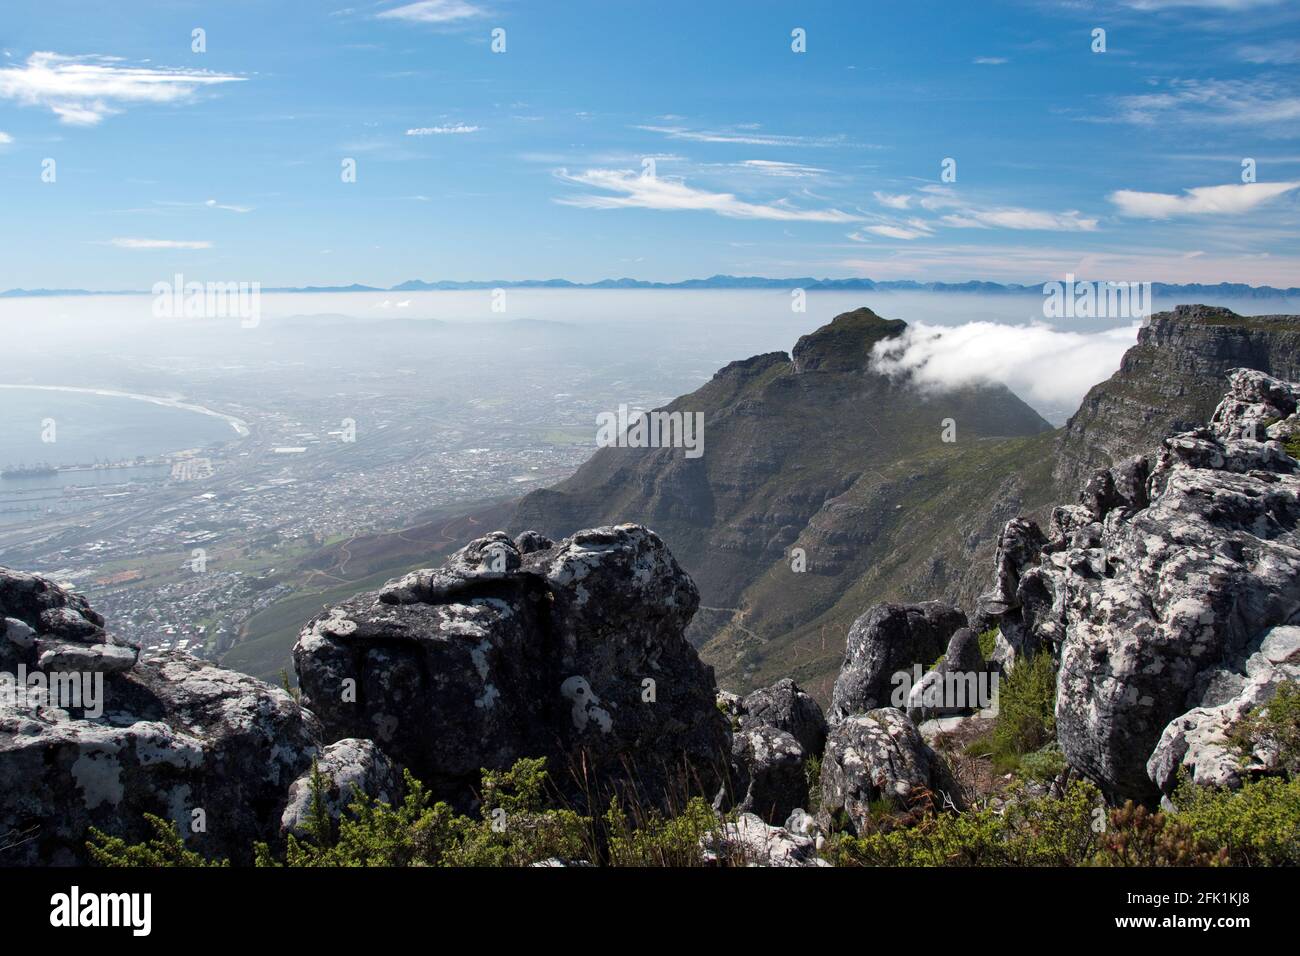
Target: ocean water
pixel 89 428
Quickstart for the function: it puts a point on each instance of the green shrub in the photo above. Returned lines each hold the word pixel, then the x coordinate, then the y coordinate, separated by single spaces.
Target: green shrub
pixel 1043 765
pixel 988 641
pixel 1041 832
pixel 164 848
pixel 1275 725
pixel 1026 707
pixel 515 829
pixel 1258 825
pixel 650 839
pixel 812 769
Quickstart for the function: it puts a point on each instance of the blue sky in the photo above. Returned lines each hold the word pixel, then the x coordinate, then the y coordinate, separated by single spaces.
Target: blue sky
pixel 530 163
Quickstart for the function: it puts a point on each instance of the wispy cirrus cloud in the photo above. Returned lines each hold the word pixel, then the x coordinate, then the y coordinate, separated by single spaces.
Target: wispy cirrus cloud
pixel 159 244
pixel 433 11
pixel 990 60
pixel 782 170
pixel 1247 103
pixel 455 129
pixel 205 204
pixel 743 135
pixel 960 213
pixel 1278 52
pixel 1225 5
pixel 1013 217
pixel 1227 200
pixel 82 90
pixel 626 189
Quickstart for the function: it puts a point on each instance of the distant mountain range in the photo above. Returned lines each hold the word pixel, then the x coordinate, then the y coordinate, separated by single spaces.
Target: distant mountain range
pixel 1234 290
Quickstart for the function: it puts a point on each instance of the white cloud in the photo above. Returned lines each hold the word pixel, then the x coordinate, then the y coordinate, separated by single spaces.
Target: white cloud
pixel 159 244
pixel 1231 199
pixel 890 232
pixel 990 60
pixel 784 170
pixel 5 138
pixel 1252 102
pixel 1278 52
pixel 1228 5
pixel 81 91
pixel 433 11
pixel 893 201
pixel 1041 364
pixel 632 190
pixel 745 136
pixel 1015 218
pixel 455 128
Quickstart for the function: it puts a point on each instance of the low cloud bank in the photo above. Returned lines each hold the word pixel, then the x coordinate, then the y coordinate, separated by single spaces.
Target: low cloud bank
pixel 1049 368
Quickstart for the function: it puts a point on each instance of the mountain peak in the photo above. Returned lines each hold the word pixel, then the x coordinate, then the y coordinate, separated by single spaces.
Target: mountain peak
pixel 844 344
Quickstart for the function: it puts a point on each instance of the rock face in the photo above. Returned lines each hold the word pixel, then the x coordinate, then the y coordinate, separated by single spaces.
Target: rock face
pixel 1170 604
pixel 878 756
pixel 573 651
pixel 1170 382
pixel 888 639
pixel 169 736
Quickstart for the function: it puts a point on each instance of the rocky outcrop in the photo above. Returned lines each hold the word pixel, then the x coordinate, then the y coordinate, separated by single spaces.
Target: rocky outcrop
pixel 572 651
pixel 1170 382
pixel 879 757
pixel 347 768
pixel 888 640
pixel 1169 602
pixel 91 738
pixel 769 775
pixel 775 730
pixel 786 706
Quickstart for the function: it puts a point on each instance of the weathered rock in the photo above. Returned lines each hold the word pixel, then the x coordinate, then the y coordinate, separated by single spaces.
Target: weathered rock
pixel 1158 609
pixel 347 767
pixel 888 639
pixel 879 756
pixel 1200 741
pixel 786 706
pixel 573 652
pixel 953 688
pixel 751 842
pixel 768 772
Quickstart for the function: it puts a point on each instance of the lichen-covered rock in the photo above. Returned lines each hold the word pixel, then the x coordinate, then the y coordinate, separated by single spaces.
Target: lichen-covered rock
pixel 1200 741
pixel 768 772
pixel 1158 599
pixel 889 639
pixel 879 756
pixel 90 738
pixel 346 767
pixel 573 652
pixel 786 706
pixel 751 842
